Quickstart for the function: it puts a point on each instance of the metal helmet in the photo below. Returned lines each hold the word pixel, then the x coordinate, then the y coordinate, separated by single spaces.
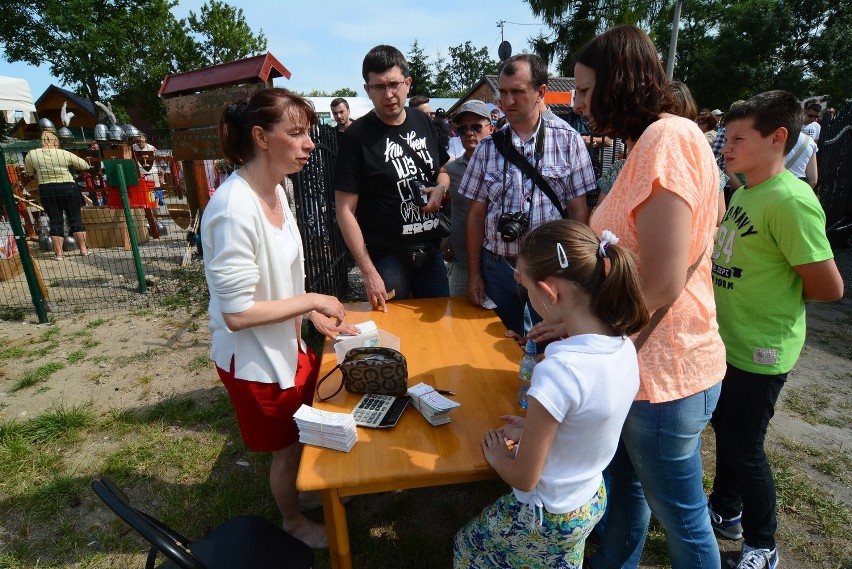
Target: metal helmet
pixel 101 132
pixel 116 133
pixel 46 124
pixel 131 131
pixel 65 133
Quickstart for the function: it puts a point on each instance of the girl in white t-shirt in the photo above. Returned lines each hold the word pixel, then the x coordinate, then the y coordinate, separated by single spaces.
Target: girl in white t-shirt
pixel 580 395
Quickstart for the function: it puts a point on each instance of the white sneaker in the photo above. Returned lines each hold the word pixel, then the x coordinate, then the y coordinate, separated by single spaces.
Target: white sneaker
pixel 756 558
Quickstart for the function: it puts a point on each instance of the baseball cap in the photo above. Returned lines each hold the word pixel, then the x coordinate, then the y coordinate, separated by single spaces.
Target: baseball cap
pixel 716 113
pixel 476 107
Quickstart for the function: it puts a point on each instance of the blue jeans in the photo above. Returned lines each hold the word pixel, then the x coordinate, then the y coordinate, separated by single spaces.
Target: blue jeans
pixel 429 281
pixel 513 307
pixel 657 468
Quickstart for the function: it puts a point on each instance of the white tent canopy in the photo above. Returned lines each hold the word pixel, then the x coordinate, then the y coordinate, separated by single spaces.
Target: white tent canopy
pixel 15 96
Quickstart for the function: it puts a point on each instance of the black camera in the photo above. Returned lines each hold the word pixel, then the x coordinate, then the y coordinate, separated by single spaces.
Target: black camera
pixel 512 225
pixel 417 187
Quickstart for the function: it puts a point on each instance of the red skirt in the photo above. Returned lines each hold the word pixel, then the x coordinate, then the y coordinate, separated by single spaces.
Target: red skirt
pixel 265 411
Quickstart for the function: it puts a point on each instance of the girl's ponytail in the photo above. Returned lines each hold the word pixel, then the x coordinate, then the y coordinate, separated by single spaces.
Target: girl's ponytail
pixel 618 300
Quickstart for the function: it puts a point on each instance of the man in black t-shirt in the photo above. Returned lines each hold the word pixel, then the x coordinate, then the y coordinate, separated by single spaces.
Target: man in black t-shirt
pixel 389 185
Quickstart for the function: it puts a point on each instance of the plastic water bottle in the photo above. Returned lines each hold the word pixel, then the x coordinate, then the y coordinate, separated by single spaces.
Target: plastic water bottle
pixel 525 373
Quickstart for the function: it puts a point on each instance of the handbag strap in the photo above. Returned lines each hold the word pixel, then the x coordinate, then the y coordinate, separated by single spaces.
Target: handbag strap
pixel 334 369
pixel 657 317
pixel 511 154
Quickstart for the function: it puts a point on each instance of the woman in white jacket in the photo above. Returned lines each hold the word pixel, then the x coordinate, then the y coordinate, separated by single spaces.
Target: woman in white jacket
pixel 254 266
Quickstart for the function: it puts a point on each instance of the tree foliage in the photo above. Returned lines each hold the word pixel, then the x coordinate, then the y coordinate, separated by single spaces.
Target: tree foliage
pixel 451 75
pixel 420 71
pixel 224 34
pixel 575 22
pixel 122 49
pixel 343 92
pixel 727 49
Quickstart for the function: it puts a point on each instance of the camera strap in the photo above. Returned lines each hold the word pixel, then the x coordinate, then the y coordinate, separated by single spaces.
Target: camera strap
pixel 502 142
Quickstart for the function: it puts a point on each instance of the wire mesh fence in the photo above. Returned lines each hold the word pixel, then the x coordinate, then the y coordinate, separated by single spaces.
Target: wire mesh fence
pixel 89 252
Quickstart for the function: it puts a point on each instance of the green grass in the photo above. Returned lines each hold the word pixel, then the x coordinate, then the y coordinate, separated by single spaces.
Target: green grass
pixel 199 362
pixel 75 357
pixel 813 508
pixel 38 375
pixel 834 463
pixel 807 403
pixel 138 358
pixel 13 352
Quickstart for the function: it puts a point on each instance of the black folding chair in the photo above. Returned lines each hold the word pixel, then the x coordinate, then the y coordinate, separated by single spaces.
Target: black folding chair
pixel 245 541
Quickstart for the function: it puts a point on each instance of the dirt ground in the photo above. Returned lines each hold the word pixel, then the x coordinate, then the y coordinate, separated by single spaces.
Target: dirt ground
pixel 138 358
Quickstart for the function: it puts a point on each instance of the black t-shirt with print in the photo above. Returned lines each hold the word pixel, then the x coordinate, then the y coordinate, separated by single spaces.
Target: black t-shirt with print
pixel 371 162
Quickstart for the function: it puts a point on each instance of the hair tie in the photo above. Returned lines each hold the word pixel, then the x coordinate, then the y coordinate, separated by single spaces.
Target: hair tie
pixel 238 112
pixel 607 237
pixel 561 255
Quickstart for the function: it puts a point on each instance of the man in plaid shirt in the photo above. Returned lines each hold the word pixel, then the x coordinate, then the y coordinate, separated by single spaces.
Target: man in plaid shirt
pixel 497 187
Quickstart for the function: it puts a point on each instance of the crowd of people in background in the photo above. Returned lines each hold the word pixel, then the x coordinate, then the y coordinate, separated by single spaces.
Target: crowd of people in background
pixel 712 296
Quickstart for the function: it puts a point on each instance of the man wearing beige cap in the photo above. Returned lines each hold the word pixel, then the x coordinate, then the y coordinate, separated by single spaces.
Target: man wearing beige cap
pixel 474 125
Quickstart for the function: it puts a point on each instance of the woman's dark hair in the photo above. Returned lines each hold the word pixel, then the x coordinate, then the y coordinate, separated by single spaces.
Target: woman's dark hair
pixel 616 295
pixel 631 88
pixel 684 103
pixel 265 109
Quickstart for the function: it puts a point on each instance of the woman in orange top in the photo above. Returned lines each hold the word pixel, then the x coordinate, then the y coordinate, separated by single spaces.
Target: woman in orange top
pixel 663 207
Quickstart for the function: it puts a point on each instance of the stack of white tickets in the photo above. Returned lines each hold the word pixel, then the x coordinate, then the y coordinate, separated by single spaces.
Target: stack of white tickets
pixel 326 428
pixel 431 404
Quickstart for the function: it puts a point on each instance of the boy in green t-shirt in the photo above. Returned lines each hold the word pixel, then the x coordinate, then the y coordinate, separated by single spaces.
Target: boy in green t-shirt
pixel 771 255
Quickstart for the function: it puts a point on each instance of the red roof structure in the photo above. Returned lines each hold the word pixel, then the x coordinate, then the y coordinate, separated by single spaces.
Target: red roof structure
pixel 260 68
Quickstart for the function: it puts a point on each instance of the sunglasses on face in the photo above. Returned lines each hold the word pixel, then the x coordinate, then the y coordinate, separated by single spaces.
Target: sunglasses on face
pixel 476 128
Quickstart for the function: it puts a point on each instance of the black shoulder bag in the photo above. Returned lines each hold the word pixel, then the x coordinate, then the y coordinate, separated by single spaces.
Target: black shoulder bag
pixel 507 150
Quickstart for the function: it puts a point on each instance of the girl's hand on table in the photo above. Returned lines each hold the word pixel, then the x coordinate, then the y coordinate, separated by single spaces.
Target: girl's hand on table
pixel 513 428
pixel 494 447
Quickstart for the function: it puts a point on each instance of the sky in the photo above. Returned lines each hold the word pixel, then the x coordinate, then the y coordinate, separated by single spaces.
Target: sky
pixel 325 47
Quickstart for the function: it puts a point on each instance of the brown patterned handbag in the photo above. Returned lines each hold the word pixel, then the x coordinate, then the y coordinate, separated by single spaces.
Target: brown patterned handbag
pixel 371 370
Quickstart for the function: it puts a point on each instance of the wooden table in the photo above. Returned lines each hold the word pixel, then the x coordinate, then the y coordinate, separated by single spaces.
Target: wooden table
pixel 449 344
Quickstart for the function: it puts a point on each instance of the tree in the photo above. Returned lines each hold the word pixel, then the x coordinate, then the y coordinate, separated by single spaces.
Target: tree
pixel 121 49
pixel 224 34
pixel 443 83
pixel 420 71
pixel 573 23
pixel 87 43
pixel 344 92
pixel 468 65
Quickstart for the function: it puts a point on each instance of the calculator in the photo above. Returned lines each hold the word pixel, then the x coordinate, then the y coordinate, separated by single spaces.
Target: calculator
pixel 379 411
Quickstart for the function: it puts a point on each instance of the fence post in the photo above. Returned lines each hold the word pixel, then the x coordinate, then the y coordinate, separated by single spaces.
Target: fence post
pixel 21 238
pixel 128 216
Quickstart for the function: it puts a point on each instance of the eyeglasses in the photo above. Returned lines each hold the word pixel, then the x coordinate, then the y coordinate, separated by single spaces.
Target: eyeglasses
pixel 383 88
pixel 476 128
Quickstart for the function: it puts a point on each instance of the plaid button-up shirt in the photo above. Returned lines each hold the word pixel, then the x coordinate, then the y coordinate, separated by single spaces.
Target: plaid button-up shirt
pixel 566 165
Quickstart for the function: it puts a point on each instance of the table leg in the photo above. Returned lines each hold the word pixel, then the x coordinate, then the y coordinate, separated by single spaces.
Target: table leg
pixel 338 531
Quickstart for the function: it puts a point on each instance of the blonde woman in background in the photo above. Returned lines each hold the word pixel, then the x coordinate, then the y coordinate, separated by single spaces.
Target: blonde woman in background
pixel 58 191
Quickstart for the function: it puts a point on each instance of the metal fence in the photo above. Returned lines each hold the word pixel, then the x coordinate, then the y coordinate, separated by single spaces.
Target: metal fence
pixel 131 258
pixel 327 260
pixel 834 188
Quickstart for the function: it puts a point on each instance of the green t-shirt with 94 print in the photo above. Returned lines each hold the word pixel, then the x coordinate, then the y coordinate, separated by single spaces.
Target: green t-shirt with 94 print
pixel 767 230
